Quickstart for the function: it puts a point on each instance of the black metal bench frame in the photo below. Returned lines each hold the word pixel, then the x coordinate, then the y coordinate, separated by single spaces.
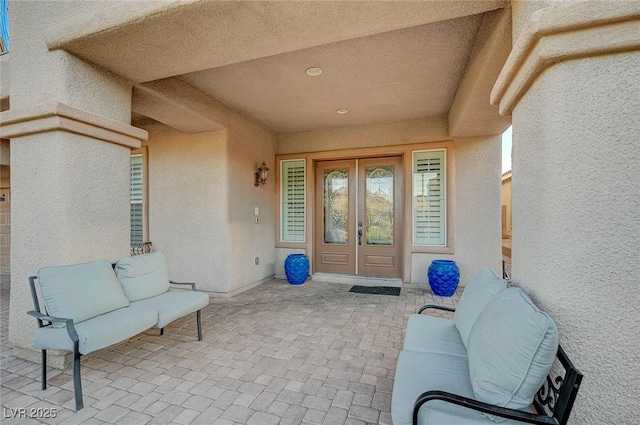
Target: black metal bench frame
pixel 552 403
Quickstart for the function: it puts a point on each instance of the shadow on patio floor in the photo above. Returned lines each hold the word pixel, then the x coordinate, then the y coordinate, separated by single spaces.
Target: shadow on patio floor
pixel 277 354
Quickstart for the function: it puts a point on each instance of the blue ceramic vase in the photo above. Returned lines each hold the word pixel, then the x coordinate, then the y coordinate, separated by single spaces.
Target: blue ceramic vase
pixel 444 276
pixel 296 267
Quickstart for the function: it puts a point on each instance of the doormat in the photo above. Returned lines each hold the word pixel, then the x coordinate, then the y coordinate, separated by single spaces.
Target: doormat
pixel 375 290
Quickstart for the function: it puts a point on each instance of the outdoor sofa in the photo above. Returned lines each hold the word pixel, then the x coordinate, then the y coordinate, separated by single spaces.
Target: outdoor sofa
pixel 91 306
pixel 496 361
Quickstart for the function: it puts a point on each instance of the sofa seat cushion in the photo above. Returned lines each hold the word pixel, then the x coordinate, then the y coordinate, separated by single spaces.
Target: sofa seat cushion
pixel 434 335
pixel 99 332
pixel 143 276
pixel 481 289
pixel 511 349
pixel 174 304
pixel 81 291
pixel 417 373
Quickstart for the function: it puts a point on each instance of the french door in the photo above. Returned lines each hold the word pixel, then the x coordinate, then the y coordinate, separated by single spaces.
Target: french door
pixel 359 217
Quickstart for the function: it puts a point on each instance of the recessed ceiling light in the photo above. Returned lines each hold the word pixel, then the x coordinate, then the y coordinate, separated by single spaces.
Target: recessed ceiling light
pixel 313 71
pixel 342 111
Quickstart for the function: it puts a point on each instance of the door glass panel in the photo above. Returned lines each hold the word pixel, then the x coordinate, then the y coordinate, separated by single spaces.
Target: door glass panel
pixel 336 206
pixel 379 205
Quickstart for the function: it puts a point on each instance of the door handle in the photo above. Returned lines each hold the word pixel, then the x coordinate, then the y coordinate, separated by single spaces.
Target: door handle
pixel 359 236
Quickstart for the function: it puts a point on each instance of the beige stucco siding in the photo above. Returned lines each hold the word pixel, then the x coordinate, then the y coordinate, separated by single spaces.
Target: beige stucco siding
pixel 506 205
pixel 188 203
pixel 248 146
pixel 202 202
pixel 368 136
pixel 576 220
pixel 58 75
pixel 69 205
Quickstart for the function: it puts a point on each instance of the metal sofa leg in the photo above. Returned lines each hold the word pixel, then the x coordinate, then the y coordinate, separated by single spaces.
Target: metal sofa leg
pixel 199 320
pixel 43 356
pixel 77 383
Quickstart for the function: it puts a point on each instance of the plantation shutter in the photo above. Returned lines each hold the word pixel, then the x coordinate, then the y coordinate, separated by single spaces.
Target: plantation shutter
pixel 137 232
pixel 292 191
pixel 429 198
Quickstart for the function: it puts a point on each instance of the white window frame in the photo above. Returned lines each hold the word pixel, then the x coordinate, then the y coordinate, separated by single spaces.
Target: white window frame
pixel 443 199
pixel 283 192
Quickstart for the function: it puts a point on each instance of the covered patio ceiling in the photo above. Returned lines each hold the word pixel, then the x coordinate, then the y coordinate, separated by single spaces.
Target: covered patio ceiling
pixel 382 61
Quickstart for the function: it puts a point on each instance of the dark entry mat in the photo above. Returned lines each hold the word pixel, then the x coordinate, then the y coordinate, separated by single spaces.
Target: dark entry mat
pixel 376 290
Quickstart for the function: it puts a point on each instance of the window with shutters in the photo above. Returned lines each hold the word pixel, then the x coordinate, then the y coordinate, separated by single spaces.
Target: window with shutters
pixel 137 200
pixel 429 198
pixel 292 194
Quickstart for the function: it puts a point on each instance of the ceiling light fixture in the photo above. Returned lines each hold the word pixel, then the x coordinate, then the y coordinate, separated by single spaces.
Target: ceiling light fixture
pixel 342 111
pixel 313 71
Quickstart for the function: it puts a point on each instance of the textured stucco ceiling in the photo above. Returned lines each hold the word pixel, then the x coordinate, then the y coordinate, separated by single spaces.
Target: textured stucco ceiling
pixel 384 61
pixel 394 76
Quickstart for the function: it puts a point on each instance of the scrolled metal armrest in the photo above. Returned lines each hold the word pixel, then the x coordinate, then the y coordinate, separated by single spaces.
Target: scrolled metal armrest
pixel 470 403
pixel 437 307
pixel 67 323
pixel 192 284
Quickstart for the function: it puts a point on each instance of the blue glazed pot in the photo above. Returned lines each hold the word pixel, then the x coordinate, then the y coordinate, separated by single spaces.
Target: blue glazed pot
pixel 444 276
pixel 296 266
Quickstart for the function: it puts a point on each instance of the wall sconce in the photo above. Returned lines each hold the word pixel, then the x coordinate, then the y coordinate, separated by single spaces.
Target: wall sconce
pixel 261 175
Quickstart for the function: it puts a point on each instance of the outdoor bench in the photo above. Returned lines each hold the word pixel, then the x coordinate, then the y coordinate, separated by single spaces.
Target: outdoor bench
pixel 95 305
pixel 498 360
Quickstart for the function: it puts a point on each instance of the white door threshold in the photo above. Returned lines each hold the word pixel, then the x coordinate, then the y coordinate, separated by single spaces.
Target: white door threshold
pixel 349 279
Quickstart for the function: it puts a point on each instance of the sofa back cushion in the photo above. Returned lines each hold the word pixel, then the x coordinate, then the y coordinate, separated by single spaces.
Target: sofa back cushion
pixel 81 291
pixel 510 351
pixel 143 276
pixel 480 290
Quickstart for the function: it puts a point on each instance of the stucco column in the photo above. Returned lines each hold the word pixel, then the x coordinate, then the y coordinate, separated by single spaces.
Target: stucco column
pixel 70 148
pixel 572 85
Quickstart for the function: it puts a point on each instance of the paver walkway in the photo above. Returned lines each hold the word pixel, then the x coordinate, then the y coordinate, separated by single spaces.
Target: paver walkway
pixel 277 354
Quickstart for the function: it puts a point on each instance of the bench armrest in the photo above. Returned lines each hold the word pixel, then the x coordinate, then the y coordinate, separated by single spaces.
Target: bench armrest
pixel 470 403
pixel 437 307
pixel 192 284
pixel 56 322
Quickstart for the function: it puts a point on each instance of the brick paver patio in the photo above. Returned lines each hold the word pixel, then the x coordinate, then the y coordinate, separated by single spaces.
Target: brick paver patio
pixel 277 354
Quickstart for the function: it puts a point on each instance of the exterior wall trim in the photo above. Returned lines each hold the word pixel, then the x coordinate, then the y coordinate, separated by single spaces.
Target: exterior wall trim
pixel 562 33
pixel 55 116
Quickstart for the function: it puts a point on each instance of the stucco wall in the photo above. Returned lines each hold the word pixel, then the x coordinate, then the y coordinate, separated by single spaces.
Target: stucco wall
pixel 69 191
pixel 476 218
pixel 522 11
pixel 58 75
pixel 506 205
pixel 395 133
pixel 202 202
pixel 576 221
pixel 249 145
pixel 67 207
pixel 188 200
